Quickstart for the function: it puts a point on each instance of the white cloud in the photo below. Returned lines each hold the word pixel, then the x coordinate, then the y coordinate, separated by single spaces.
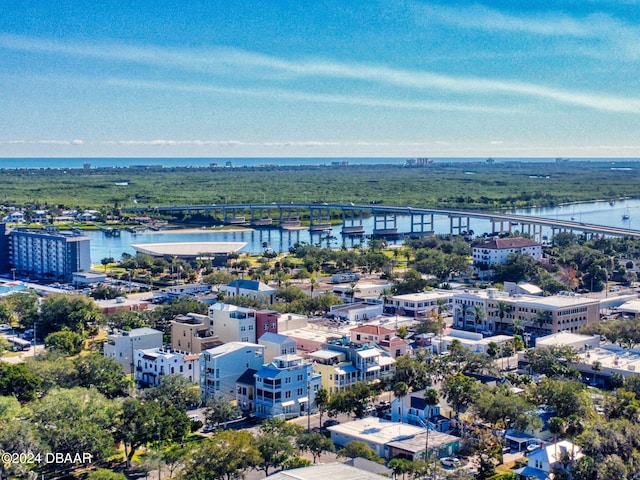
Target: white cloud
pixel 618 37
pixel 251 65
pixel 42 142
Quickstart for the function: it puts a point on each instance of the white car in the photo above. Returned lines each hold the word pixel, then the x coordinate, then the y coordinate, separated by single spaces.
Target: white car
pixel 450 461
pixel 4 327
pixel 533 446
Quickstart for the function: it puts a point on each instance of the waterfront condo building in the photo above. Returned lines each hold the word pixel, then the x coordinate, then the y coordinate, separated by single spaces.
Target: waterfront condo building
pixel 48 255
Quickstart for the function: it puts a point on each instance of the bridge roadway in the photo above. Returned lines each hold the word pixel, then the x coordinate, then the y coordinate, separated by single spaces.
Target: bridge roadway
pixel 385 218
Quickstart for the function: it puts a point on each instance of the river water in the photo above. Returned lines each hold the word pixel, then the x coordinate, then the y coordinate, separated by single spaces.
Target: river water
pixel 599 213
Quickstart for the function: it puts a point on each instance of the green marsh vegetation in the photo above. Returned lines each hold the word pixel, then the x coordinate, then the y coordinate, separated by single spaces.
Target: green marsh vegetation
pixel 463 185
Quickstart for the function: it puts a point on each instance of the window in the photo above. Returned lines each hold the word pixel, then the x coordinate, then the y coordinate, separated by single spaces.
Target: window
pixel 287 394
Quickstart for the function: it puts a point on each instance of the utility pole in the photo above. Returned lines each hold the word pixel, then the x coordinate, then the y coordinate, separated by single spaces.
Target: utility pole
pixel 308 402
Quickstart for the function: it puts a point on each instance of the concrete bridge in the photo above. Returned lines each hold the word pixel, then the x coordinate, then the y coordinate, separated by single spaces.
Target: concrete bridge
pixel 289 216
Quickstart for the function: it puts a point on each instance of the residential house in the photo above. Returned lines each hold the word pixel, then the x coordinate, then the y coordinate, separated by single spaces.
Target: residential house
pixel 121 345
pixel 39 216
pixel 276 345
pixel 15 217
pixel 471 341
pixel 357 312
pixel 549 459
pixel 153 363
pixel 286 387
pixel 250 288
pixel 222 366
pixel 232 323
pixel 381 336
pixel 415 409
pixel 266 321
pixel 193 333
pixel 337 373
pixel 372 363
pixel 246 391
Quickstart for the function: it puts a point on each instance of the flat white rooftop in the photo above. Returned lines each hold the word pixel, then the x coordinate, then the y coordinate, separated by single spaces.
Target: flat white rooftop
pixel 188 249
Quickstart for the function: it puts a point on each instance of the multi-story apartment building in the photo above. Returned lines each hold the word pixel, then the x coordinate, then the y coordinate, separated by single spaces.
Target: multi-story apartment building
pixel 221 367
pixel 193 333
pixel 496 251
pixel 120 346
pixel 48 255
pixel 286 387
pixel 418 304
pixel 153 363
pixel 495 311
pixel 232 323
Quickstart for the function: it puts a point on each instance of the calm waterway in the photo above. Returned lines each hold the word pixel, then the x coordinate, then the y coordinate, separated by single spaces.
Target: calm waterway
pixel 599 213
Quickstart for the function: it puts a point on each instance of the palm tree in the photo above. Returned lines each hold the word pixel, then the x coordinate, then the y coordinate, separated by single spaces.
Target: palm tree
pixel 312 284
pixel 503 309
pixel 478 314
pixel 322 402
pixel 386 295
pixel 544 317
pixel 401 390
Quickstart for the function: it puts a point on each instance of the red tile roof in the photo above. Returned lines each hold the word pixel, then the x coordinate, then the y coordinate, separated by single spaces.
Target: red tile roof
pixel 373 330
pixel 509 242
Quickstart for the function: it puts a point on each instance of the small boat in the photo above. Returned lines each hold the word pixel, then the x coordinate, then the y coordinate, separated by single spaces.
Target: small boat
pixel 626 216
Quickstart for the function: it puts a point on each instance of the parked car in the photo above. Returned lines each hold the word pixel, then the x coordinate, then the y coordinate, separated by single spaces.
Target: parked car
pixel 450 462
pixel 330 423
pixel 4 327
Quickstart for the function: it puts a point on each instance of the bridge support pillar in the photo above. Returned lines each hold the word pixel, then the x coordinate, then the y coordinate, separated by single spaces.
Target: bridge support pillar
pixel 418 223
pixel 459 225
pixel 384 223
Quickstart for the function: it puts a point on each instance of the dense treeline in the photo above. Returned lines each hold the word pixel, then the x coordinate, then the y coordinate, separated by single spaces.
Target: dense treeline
pixel 474 185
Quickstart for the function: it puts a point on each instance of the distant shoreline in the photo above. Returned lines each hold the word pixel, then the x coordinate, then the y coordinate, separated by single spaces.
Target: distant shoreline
pixel 198 230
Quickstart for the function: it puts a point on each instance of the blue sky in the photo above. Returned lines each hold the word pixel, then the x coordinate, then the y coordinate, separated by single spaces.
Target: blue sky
pixel 319 79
